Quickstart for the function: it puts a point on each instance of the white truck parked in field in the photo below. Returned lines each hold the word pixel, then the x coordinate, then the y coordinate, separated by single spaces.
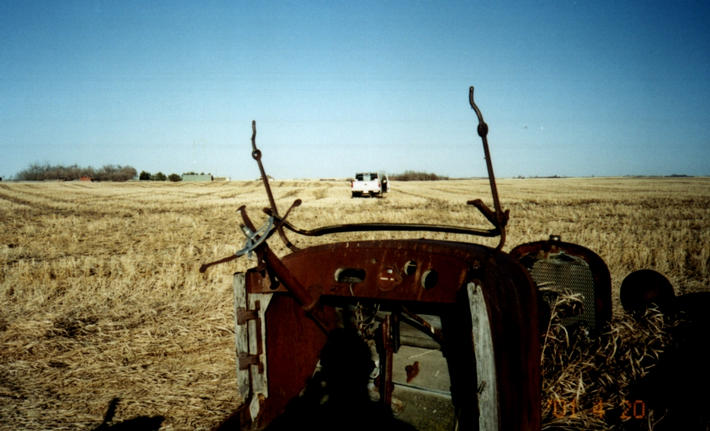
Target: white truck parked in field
pixel 369 183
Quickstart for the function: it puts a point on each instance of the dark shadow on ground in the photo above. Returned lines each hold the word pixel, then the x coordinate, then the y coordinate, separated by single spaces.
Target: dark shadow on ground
pixel 139 423
pixel 678 388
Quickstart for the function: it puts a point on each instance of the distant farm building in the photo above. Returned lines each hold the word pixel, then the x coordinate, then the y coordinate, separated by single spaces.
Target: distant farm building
pixel 197 177
pixel 85 178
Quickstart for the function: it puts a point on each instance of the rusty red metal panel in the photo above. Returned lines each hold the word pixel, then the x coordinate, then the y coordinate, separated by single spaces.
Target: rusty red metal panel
pixel 396 272
pixel 514 322
pixel 293 343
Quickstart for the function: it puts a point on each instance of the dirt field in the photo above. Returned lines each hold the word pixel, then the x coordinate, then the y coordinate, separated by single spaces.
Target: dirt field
pixel 101 296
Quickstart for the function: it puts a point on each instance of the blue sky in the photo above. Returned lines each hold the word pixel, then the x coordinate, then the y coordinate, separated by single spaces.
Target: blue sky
pixel 568 88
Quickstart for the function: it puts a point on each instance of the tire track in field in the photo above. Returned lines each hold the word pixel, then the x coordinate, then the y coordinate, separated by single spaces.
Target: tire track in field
pixel 89 203
pixel 319 193
pixel 86 196
pixel 75 207
pixel 44 196
pixel 427 198
pixel 81 210
pixel 45 208
pixel 24 202
pixel 454 192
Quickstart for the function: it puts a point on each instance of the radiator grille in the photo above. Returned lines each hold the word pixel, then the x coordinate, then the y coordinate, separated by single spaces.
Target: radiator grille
pixel 562 273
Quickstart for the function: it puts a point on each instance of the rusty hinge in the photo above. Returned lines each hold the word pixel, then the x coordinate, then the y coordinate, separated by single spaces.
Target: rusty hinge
pixel 246 359
pixel 244 315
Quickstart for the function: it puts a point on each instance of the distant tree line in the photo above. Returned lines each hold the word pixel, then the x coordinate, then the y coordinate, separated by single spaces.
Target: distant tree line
pixel 555 176
pixel 147 176
pixel 38 172
pixel 417 176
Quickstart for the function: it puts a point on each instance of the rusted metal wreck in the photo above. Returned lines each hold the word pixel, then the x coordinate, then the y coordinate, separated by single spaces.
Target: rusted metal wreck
pixel 453 327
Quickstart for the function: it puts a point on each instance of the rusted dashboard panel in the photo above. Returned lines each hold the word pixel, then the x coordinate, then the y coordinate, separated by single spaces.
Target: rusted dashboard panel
pixel 405 270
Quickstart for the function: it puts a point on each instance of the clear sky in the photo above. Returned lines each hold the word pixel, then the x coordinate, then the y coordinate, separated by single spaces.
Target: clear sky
pixel 568 88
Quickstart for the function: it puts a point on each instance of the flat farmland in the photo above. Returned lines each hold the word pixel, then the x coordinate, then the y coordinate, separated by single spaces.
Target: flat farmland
pixel 101 297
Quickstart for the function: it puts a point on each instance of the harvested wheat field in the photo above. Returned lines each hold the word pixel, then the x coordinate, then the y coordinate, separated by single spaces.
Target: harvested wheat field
pixel 101 296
